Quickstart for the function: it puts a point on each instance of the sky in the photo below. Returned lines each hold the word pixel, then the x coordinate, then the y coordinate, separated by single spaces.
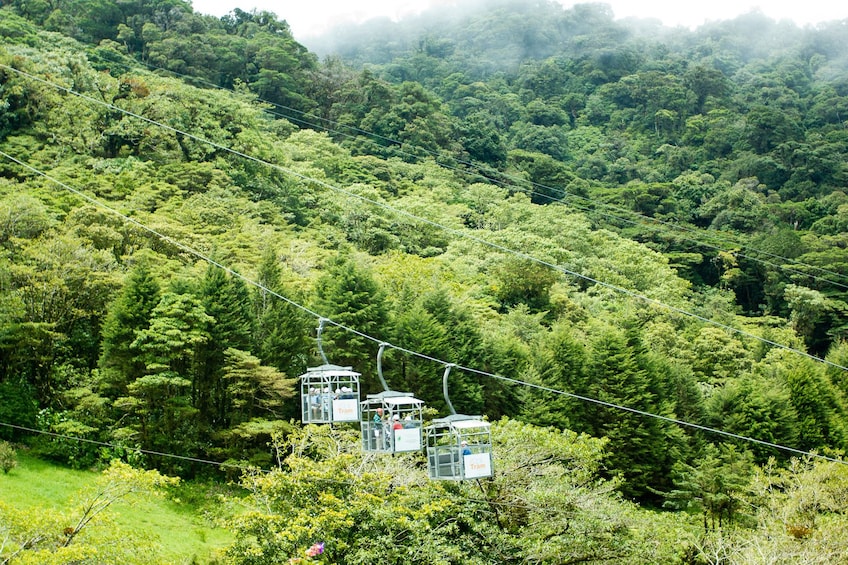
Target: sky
pixel 310 18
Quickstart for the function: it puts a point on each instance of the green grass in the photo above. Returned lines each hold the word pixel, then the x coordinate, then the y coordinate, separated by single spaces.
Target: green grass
pixel 179 527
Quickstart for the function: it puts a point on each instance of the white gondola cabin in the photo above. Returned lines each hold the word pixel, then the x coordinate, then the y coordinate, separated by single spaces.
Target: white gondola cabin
pixel 459 447
pixel 391 422
pixel 329 394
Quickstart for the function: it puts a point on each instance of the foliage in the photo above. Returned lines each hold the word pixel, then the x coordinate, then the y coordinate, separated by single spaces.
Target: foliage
pixel 717 487
pixel 174 528
pixel 546 503
pixel 348 294
pixel 8 457
pixel 798 517
pixel 128 314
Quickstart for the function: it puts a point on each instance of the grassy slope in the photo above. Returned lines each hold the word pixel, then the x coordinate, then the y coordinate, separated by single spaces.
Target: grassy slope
pixel 184 536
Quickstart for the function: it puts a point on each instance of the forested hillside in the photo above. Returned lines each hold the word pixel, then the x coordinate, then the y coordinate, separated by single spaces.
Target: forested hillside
pixel 738 128
pixel 631 241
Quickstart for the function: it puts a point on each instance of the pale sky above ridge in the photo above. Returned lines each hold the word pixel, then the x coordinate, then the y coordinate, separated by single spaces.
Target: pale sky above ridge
pixel 311 18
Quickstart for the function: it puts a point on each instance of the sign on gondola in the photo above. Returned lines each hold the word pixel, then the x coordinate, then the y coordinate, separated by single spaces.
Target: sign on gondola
pixel 459 447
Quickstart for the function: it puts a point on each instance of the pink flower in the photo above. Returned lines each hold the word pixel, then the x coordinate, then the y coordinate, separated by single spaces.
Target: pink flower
pixel 316 549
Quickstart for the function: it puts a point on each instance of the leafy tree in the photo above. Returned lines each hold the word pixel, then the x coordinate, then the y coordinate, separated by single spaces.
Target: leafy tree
pixel 521 281
pixel 807 307
pixel 550 486
pixel 160 419
pixel 22 216
pixel 546 504
pixel 257 395
pixel 480 137
pixel 739 208
pixel 118 481
pixel 654 94
pixel 254 390
pixel 705 82
pixel 550 178
pixel 325 499
pixel 415 119
pixel 62 286
pixel 551 141
pixel 29 352
pixel 365 226
pixel 358 96
pixel 797 513
pixel 717 486
pixel 767 127
pixel 717 356
pixel 18 400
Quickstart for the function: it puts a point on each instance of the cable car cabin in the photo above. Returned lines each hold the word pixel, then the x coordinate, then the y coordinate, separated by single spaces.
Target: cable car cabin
pixel 329 394
pixel 459 447
pixel 391 422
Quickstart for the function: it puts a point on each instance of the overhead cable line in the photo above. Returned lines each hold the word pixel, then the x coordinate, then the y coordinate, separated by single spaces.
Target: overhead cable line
pixel 454 231
pixel 641 219
pixel 245 468
pixel 323 320
pixel 133 449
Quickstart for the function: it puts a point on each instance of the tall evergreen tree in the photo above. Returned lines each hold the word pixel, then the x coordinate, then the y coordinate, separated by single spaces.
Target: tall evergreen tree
pixel 464 347
pixel 838 355
pixel 283 331
pixel 821 411
pixel 121 362
pixel 226 299
pixel 757 407
pixel 349 295
pixel 716 485
pixel 641 447
pixel 417 330
pixel 560 363
pixel 159 404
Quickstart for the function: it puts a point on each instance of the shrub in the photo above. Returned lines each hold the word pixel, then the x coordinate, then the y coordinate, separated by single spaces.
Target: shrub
pixel 8 457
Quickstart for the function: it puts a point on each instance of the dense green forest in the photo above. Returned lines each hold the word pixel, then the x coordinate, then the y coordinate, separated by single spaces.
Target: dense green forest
pixel 585 214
